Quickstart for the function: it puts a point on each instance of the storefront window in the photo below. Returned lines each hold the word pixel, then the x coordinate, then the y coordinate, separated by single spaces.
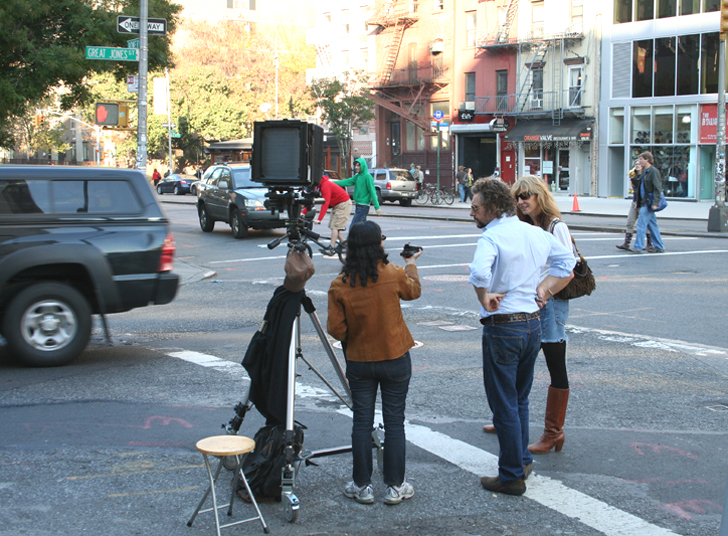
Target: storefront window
pixel 662 120
pixel 532 161
pixel 641 125
pixel 684 123
pixel 665 67
pixel 616 125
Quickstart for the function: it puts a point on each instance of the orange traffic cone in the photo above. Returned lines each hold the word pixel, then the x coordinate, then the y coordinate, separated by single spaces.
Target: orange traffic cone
pixel 575 206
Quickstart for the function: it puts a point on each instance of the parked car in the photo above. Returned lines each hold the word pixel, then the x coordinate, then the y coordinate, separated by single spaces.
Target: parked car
pixel 176 184
pixel 394 184
pixel 226 193
pixel 75 242
pixel 193 187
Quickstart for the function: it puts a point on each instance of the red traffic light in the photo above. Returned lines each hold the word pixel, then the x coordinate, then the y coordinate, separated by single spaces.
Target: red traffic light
pixel 107 113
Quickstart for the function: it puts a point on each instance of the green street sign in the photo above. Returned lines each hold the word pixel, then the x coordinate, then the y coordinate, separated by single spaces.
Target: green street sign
pixel 112 53
pixel 133 43
pixel 176 135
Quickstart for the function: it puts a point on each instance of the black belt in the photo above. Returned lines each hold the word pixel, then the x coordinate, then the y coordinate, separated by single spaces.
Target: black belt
pixel 515 317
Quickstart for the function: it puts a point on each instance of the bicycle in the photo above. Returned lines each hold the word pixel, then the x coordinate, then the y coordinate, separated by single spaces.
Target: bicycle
pixel 425 194
pixel 442 195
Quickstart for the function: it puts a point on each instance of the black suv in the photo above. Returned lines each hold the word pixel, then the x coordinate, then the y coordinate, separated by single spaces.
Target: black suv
pixel 74 242
pixel 227 194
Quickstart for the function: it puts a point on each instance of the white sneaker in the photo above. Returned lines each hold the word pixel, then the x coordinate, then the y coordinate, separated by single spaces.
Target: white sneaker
pixel 396 494
pixel 364 494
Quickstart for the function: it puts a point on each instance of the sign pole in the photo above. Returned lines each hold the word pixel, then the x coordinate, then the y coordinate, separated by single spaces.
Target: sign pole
pixel 142 96
pixel 169 124
pixel 439 144
pixel 717 218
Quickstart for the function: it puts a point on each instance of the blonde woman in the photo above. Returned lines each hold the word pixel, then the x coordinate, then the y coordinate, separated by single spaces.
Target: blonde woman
pixel 536 205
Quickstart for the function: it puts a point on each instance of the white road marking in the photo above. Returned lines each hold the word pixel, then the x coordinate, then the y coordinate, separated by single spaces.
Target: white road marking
pixel 546 491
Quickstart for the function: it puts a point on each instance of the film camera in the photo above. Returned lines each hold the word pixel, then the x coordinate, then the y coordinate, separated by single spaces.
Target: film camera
pixel 409 250
pixel 288 160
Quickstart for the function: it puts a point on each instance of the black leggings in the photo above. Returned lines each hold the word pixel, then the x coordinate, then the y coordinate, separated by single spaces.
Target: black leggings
pixel 555 354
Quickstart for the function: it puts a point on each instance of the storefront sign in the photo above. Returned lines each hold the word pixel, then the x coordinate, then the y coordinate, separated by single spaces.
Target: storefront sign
pixel 500 124
pixel 709 123
pixel 466 116
pixel 582 136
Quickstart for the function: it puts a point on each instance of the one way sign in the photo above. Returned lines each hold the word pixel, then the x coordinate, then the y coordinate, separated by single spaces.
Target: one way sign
pixel 130 25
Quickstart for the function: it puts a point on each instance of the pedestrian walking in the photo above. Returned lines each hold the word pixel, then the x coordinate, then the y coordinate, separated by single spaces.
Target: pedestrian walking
pixel 336 198
pixel 365 314
pixel 364 192
pixel 156 177
pixel 635 176
pixel 506 273
pixel 462 178
pixel 650 193
pixel 469 185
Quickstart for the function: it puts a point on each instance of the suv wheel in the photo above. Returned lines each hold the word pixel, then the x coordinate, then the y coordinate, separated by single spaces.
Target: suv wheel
pixel 405 202
pixel 240 230
pixel 159 190
pixel 207 224
pixel 47 324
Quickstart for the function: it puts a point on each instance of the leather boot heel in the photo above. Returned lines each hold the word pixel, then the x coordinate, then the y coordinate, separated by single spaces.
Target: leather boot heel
pixel 553 432
pixel 558 445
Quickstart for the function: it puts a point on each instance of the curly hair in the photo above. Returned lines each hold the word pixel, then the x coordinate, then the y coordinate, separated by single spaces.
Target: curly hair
pixel 496 196
pixel 546 202
pixel 363 251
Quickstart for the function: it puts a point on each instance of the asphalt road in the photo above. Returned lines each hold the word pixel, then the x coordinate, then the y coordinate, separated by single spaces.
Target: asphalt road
pixel 106 445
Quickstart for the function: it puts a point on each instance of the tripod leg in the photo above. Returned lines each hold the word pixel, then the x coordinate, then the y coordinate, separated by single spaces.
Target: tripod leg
pixel 332 356
pixel 288 473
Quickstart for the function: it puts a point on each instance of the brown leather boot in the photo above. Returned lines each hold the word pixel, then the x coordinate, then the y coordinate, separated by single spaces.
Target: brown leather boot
pixel 627 240
pixel 553 432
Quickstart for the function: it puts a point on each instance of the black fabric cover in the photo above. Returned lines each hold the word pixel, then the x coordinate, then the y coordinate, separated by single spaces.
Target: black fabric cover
pixel 266 359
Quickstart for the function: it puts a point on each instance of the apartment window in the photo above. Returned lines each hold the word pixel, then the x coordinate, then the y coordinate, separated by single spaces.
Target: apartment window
pixel 537 83
pixel 439 5
pixel 327 17
pixel 642 68
pixel 241 4
pixel 666 8
pixel 577 15
pixel 711 5
pixel 413 8
pixel 575 79
pixel 665 63
pixel 537 19
pixel 345 21
pixel 471 27
pixel 470 87
pixel 644 9
pixel 623 11
pixel 689 7
pixel 501 90
pixel 415 137
pixel 438 66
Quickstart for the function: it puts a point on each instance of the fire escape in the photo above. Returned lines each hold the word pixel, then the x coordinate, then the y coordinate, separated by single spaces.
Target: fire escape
pixel 531 100
pixel 397 94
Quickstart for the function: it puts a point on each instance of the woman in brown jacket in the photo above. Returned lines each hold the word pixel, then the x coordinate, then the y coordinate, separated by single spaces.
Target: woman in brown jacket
pixel 364 313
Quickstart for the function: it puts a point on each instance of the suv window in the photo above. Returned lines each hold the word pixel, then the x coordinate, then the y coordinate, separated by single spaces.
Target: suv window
pixel 94 197
pixel 21 197
pixel 241 179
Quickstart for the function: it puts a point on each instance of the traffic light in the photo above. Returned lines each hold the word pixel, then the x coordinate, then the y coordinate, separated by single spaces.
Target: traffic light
pixel 723 18
pixel 107 113
pixel 37 120
pixel 123 115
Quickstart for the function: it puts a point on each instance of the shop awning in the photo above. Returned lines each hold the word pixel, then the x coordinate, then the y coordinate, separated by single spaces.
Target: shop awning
pixel 460 128
pixel 544 130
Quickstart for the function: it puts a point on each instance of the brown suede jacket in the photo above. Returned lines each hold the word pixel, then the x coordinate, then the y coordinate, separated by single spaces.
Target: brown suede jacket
pixel 369 318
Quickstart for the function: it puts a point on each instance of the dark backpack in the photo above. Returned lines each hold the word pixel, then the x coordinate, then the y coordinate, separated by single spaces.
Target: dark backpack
pixel 263 466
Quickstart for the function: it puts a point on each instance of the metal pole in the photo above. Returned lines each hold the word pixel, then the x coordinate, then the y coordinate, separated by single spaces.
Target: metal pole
pixel 717 220
pixel 169 124
pixel 142 96
pixel 439 144
pixel 98 146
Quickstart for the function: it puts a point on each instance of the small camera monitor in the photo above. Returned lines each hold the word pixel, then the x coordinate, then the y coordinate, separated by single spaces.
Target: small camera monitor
pixel 287 153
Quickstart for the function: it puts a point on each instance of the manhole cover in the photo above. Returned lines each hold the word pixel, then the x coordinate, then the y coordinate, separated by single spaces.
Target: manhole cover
pixel 449 278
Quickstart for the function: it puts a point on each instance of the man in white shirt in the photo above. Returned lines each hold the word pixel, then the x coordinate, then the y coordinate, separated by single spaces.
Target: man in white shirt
pixel 505 272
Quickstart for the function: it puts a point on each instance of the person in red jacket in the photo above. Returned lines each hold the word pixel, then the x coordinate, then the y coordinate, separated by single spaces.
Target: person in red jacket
pixel 156 177
pixel 340 202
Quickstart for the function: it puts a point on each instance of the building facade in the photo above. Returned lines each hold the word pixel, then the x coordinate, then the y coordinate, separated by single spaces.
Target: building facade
pixel 526 85
pixel 660 94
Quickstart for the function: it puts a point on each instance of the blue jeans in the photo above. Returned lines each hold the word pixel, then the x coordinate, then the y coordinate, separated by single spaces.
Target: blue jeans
pixel 647 220
pixel 462 189
pixel 360 214
pixel 553 320
pixel 393 376
pixel 509 355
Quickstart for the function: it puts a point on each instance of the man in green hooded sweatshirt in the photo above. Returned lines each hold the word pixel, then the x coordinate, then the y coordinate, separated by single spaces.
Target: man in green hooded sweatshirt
pixel 364 192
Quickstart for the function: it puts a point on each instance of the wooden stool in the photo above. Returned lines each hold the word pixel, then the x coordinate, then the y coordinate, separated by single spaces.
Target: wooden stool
pixel 221 446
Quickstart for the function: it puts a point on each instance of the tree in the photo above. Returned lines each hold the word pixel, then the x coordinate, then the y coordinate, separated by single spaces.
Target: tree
pixel 43 48
pixel 344 104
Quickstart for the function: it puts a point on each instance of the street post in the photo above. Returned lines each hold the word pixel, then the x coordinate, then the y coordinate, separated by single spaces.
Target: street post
pixel 142 95
pixel 438 115
pixel 717 220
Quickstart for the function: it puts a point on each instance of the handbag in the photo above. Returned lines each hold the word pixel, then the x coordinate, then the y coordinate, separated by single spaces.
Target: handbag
pixel 583 283
pixel 660 206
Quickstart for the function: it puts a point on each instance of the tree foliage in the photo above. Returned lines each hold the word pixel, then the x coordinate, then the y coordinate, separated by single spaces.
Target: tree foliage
pixel 344 103
pixel 43 47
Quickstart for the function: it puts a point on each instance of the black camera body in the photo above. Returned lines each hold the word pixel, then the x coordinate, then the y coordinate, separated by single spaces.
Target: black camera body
pixel 409 250
pixel 287 154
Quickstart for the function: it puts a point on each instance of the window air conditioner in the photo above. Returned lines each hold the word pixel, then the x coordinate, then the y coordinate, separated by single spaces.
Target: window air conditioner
pixel 536 104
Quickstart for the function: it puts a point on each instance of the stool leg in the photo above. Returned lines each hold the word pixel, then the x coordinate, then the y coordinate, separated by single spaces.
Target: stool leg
pixel 241 476
pixel 204 497
pixel 236 473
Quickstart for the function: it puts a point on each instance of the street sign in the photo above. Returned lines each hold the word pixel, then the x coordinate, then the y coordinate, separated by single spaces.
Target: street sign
pixel 132 83
pixel 132 43
pixel 169 125
pixel 438 115
pixel 126 24
pixel 500 124
pixel 112 53
pixel 176 135
pixel 439 124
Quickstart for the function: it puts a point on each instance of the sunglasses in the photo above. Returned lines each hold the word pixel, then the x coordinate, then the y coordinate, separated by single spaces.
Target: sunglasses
pixel 383 238
pixel 523 196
